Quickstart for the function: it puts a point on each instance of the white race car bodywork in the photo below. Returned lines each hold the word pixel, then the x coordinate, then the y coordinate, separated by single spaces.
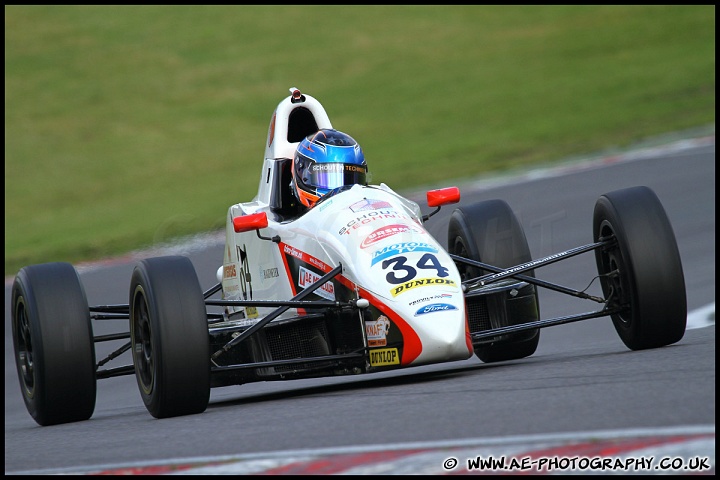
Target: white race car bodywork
pixel 417 313
pixel 388 258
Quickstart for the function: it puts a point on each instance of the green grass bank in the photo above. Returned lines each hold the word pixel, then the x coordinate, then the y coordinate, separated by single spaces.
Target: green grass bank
pixel 127 126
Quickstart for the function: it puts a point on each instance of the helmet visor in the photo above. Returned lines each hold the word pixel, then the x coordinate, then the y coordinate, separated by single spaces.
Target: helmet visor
pixel 332 175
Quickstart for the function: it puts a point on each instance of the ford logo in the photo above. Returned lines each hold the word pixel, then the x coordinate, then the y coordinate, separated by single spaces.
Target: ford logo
pixel 435 307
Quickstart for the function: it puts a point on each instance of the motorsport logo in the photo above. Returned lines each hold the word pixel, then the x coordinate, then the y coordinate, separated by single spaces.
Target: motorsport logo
pixel 398 248
pixel 266 273
pixel 384 356
pixel 372 216
pixel 387 231
pixel 377 331
pixel 427 299
pixel 422 282
pixel 308 277
pixel 369 204
pixel 229 271
pixel 293 251
pixel 435 307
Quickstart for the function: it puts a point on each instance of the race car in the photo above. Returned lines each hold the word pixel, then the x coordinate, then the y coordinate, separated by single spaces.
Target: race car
pixel 354 284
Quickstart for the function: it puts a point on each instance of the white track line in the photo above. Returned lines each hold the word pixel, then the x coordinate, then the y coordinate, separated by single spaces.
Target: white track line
pixel 701 317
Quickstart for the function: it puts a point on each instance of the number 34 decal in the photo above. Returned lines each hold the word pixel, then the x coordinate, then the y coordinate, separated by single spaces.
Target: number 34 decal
pixel 402 272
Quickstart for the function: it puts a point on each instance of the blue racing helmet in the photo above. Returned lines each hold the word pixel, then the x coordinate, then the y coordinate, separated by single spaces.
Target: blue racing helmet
pixel 325 160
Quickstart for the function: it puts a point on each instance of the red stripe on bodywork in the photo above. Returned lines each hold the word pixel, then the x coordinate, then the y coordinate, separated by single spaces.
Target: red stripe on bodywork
pixel 412 346
pixel 288 274
pixel 468 336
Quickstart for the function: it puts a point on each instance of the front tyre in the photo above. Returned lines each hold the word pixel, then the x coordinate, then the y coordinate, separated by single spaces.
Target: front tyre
pixel 169 337
pixel 489 232
pixel 642 270
pixel 53 341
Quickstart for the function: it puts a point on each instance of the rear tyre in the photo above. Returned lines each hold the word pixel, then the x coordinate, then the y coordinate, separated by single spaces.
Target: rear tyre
pixel 53 341
pixel 642 270
pixel 169 337
pixel 489 232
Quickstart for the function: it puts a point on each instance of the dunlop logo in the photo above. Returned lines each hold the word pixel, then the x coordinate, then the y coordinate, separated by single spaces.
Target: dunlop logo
pixel 421 282
pixel 384 356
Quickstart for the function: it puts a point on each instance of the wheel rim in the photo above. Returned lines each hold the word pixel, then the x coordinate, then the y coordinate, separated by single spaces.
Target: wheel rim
pixel 462 251
pixel 24 350
pixel 142 342
pixel 615 275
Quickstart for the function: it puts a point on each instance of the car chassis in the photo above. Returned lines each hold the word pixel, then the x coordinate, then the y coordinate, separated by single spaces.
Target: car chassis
pixel 115 312
pixel 638 266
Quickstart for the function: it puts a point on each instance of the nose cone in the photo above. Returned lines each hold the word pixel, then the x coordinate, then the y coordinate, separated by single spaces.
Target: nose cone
pixel 443 334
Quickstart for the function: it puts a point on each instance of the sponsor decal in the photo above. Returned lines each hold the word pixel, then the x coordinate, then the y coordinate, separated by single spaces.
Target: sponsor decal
pixel 435 307
pixel 244 274
pixel 229 271
pixel 370 217
pixel 422 282
pixel 336 167
pixel 377 331
pixel 269 273
pixel 401 272
pixel 399 248
pixel 327 167
pixel 245 323
pixel 384 356
pixel 325 204
pixel 293 251
pixel 299 254
pixel 369 204
pixel 445 296
pixel 317 263
pixel 251 312
pixel 388 231
pixel 308 277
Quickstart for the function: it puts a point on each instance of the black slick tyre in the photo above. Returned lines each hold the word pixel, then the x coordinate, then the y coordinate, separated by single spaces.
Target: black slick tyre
pixel 489 232
pixel 169 337
pixel 53 342
pixel 642 269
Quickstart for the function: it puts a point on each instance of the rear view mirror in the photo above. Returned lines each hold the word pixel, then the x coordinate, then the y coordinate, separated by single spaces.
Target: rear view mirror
pixel 443 196
pixel 254 221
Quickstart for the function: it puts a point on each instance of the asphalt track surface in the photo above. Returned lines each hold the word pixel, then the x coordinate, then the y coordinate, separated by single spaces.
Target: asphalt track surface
pixel 582 396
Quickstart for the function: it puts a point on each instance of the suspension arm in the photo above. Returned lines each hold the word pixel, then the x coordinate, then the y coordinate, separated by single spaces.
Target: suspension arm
pixel 546 323
pixel 276 313
pixel 515 272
